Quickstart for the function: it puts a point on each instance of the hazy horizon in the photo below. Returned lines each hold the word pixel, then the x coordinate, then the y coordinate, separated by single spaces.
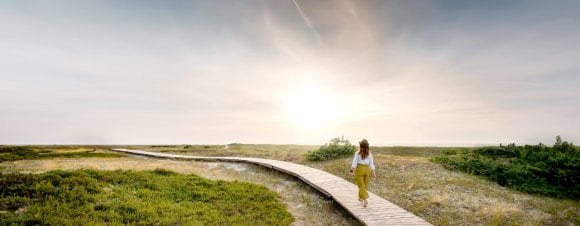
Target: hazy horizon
pixel 289 72
pixel 303 144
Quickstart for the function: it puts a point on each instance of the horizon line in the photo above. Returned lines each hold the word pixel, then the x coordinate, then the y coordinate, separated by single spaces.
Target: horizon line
pixel 300 144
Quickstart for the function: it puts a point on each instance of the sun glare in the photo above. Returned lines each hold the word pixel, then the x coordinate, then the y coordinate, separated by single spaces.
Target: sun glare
pixel 312 106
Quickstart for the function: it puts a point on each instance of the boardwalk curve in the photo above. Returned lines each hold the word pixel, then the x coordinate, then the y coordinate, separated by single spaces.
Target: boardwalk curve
pixel 378 212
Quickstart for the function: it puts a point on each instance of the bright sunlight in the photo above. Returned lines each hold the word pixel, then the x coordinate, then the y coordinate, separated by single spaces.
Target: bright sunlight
pixel 312 106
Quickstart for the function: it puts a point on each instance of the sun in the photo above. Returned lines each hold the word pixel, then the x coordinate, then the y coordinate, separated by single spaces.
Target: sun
pixel 313 106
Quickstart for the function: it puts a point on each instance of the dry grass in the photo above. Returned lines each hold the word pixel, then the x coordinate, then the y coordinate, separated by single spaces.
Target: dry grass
pixel 68 148
pixel 451 198
pixel 407 178
pixel 293 153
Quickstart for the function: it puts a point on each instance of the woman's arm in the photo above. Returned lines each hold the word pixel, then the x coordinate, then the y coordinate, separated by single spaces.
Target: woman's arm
pixel 354 162
pixel 372 165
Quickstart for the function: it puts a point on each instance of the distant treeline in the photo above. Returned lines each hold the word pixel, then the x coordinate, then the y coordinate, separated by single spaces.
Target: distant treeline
pixel 551 171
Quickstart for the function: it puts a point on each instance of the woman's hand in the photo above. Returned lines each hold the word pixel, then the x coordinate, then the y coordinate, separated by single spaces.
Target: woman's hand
pixel 352 171
pixel 374 174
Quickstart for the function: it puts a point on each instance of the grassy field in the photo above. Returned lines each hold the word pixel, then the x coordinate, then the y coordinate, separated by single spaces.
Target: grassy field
pixel 13 153
pixel 408 178
pixel 135 197
pixel 293 153
pixel 306 205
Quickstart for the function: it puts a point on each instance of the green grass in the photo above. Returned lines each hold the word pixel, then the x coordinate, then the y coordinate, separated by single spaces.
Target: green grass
pixel 13 153
pixel 134 197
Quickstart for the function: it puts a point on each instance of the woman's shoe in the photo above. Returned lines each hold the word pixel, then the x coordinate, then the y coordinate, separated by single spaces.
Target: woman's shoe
pixel 365 203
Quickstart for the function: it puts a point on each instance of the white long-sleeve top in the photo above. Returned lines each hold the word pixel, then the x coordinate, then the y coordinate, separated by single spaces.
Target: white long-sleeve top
pixel 358 160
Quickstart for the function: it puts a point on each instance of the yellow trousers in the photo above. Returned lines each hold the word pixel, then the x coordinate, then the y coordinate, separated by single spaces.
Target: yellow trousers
pixel 362 174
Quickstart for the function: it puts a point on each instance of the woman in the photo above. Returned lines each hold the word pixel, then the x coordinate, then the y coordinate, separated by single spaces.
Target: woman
pixel 363 165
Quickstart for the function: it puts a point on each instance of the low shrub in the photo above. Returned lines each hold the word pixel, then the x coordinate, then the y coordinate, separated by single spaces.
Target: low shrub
pixel 335 148
pixel 158 197
pixel 551 171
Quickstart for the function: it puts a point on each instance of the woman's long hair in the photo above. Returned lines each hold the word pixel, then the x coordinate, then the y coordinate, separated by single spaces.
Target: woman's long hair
pixel 364 148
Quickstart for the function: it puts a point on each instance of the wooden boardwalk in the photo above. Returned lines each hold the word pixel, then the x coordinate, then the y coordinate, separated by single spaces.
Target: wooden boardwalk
pixel 378 212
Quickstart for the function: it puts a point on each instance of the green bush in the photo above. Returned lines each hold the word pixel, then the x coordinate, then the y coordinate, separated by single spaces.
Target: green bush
pixel 551 171
pixel 158 197
pixel 335 148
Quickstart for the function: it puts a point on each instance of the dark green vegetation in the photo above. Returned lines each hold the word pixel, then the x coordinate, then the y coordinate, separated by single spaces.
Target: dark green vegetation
pixel 12 153
pixel 134 197
pixel 336 148
pixel 551 171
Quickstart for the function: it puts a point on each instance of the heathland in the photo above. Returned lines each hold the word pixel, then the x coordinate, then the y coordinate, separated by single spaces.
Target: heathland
pixel 306 205
pixel 406 176
pixel 411 178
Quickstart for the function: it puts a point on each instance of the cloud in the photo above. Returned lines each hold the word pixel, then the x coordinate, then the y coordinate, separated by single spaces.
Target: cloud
pixel 412 73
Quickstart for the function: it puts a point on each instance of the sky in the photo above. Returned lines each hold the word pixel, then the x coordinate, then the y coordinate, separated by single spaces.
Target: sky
pixel 289 72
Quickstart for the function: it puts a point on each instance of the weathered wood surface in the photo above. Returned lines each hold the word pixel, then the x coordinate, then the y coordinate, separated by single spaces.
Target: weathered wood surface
pixel 378 212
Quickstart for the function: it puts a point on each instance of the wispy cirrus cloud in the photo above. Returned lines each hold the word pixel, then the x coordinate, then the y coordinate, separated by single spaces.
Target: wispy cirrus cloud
pixel 440 72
